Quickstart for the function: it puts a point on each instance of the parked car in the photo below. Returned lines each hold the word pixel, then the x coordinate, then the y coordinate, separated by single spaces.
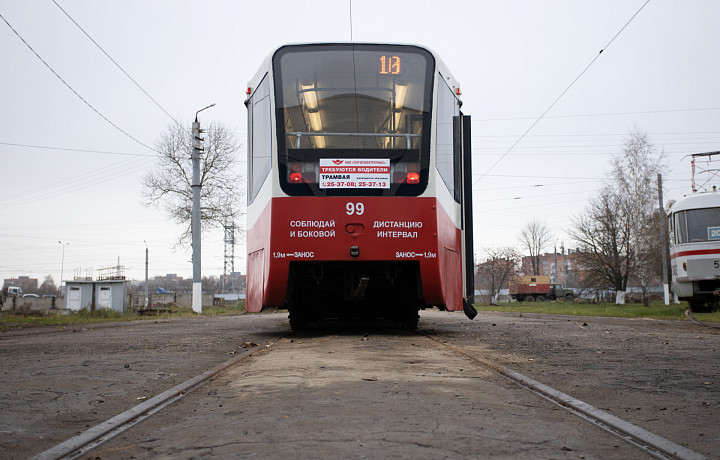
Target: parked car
pixel 31 295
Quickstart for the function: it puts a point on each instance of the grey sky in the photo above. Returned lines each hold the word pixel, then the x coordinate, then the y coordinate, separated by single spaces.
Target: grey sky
pixel 513 58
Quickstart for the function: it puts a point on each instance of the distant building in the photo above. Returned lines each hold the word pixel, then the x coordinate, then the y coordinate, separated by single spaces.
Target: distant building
pixel 561 267
pixel 173 283
pixel 86 294
pixel 25 282
pixel 233 283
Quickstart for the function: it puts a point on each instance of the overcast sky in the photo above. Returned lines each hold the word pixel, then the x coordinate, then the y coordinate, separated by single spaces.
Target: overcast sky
pixel 512 58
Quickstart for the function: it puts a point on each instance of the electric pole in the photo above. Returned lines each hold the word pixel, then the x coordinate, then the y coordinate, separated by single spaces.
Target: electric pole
pixel 147 297
pixel 197 142
pixel 663 239
pixel 229 256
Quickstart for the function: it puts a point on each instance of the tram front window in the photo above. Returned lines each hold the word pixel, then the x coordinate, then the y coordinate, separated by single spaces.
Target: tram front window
pixel 703 224
pixel 353 119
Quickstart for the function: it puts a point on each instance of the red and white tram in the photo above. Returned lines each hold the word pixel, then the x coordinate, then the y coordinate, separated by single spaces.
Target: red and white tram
pixel 359 184
pixel 695 249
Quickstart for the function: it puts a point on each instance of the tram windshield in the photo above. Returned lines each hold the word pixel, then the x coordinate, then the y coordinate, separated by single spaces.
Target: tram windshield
pixel 697 225
pixel 353 119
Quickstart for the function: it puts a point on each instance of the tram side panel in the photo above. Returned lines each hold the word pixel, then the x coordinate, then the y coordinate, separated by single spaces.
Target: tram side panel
pixel 258 263
pixel 450 262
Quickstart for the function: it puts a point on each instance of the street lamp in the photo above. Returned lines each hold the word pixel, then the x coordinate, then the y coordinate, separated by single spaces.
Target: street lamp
pixel 197 147
pixel 62 265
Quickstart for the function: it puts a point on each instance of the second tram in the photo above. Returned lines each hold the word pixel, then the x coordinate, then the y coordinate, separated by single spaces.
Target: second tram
pixel 694 223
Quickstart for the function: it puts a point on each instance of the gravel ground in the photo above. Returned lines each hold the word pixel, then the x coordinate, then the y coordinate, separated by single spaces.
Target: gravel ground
pixel 59 381
pixel 661 375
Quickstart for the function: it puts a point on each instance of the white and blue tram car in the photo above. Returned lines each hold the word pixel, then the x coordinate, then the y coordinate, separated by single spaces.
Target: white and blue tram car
pixel 695 249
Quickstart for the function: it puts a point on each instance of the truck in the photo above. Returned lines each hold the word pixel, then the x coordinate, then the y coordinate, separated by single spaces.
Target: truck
pixel 14 291
pixel 537 288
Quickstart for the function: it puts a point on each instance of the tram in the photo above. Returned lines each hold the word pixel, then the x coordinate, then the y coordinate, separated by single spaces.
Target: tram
pixel 359 184
pixel 694 224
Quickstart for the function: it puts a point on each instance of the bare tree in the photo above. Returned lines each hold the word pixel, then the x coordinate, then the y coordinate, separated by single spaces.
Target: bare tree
pixel 616 231
pixel 169 186
pixel 535 237
pixel 493 274
pixel 48 287
pixel 604 259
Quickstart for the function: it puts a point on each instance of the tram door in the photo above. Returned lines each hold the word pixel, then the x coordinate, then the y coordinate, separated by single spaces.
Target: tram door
pixel 462 153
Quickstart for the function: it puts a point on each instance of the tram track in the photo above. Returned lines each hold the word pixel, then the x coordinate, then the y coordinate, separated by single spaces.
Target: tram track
pixel 88 440
pixel 649 442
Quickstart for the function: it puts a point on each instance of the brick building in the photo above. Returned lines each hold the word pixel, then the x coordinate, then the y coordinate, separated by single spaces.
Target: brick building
pixel 560 266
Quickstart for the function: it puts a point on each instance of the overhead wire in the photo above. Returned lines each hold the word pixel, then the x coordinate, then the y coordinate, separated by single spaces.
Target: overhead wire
pixel 562 94
pixel 71 88
pixel 602 114
pixel 101 175
pixel 77 150
pixel 120 67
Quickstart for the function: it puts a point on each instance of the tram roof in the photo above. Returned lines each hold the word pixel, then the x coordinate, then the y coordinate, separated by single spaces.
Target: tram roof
pixel 439 64
pixel 697 201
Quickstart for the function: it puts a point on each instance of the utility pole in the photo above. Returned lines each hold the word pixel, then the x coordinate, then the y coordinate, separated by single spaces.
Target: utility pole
pixel 197 142
pixel 147 297
pixel 62 266
pixel 229 256
pixel 663 239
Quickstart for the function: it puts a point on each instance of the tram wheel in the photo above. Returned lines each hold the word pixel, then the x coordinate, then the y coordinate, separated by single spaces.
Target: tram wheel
pixel 298 322
pixel 411 320
pixel 700 306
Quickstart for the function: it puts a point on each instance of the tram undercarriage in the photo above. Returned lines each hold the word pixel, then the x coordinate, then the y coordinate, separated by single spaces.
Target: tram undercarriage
pixel 366 290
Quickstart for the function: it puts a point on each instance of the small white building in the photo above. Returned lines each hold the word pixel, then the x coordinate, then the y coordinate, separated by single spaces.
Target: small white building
pixel 83 294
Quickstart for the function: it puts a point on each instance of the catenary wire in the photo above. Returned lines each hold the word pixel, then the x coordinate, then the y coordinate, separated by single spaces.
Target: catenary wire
pixel 601 114
pixel 71 88
pixel 77 150
pixel 120 67
pixel 562 94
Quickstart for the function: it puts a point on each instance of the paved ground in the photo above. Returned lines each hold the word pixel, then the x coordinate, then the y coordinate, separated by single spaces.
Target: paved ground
pixel 336 389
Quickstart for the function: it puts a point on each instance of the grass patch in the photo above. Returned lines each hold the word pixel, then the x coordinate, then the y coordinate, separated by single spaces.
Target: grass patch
pixel 105 315
pixel 225 310
pixel 657 310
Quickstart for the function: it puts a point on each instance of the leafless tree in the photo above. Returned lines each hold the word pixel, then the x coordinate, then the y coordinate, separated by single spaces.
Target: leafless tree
pixel 169 185
pixel 48 287
pixel 616 231
pixel 493 274
pixel 535 237
pixel 604 240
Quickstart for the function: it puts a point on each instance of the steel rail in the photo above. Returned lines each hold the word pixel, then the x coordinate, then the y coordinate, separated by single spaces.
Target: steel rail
pixel 650 442
pixel 79 445
pixel 688 314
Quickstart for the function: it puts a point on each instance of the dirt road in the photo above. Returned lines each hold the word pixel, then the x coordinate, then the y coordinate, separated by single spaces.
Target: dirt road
pixel 338 392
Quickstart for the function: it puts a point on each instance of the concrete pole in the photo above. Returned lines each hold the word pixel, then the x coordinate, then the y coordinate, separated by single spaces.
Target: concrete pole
pixel 197 275
pixel 663 239
pixel 62 267
pixel 147 297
